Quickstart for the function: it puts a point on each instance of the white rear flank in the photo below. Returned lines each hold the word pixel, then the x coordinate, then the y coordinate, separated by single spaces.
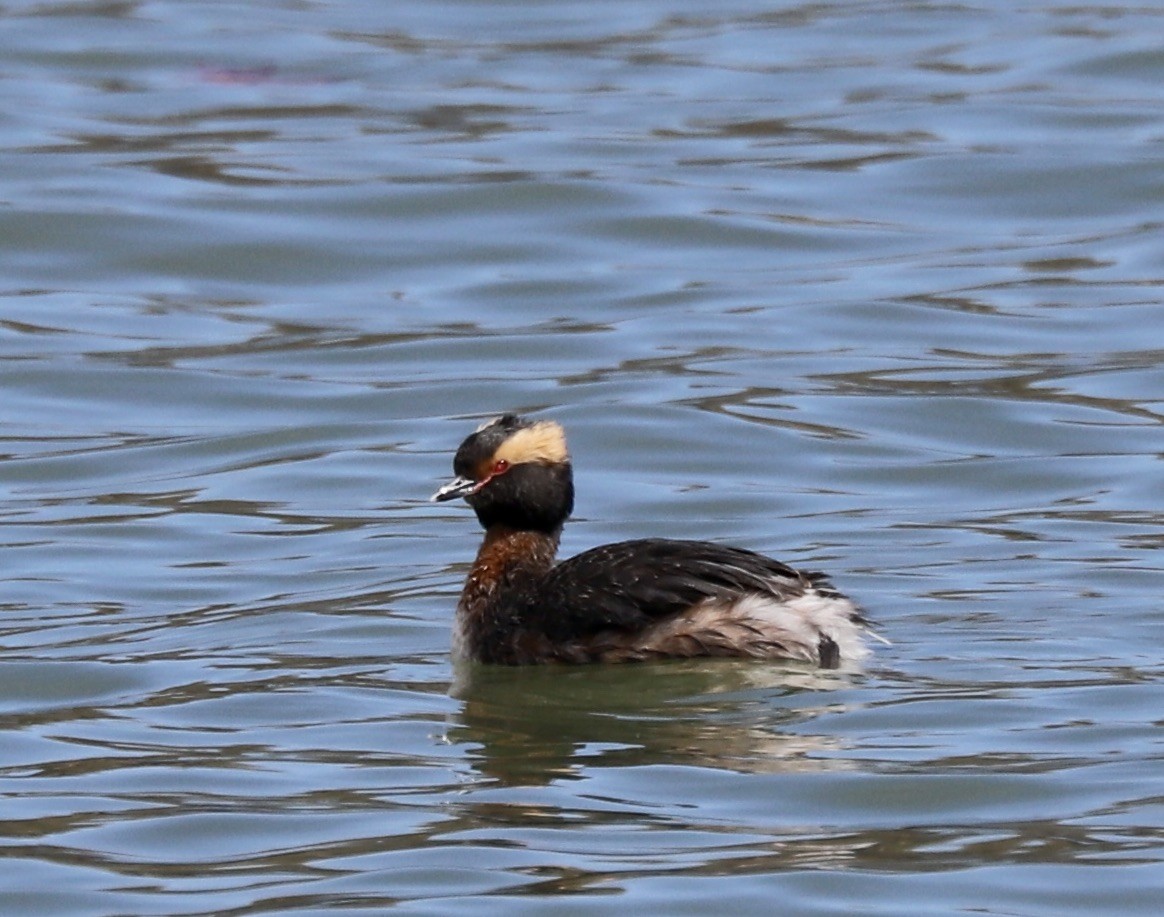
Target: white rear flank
pixel 757 624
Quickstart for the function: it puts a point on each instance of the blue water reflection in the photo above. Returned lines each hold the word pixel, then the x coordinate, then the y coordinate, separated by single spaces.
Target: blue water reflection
pixel 872 287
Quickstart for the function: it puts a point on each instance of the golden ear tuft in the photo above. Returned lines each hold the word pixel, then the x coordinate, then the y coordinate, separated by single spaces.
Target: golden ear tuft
pixel 544 441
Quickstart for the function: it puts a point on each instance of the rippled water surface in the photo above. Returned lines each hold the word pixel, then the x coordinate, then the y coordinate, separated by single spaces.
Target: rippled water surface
pixel 871 286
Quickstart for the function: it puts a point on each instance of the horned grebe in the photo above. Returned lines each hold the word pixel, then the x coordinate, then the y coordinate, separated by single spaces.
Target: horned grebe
pixel 634 600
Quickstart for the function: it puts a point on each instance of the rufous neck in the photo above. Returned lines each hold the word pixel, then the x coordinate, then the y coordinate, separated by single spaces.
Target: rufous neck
pixel 525 550
pixel 508 564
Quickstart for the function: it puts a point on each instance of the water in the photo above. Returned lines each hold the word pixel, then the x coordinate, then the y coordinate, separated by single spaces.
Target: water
pixel 873 287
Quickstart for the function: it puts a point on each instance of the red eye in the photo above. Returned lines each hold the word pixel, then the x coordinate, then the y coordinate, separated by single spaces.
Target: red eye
pixel 500 466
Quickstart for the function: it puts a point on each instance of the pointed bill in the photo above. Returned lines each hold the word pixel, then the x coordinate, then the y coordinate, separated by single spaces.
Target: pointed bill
pixel 457 487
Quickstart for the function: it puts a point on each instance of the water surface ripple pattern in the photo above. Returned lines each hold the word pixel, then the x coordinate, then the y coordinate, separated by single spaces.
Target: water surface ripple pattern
pixel 873 287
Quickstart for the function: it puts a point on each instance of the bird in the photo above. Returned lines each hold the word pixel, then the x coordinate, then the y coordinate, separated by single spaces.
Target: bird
pixel 630 601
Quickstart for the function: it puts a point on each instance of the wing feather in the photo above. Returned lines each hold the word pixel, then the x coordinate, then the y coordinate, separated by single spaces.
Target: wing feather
pixel 629 585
